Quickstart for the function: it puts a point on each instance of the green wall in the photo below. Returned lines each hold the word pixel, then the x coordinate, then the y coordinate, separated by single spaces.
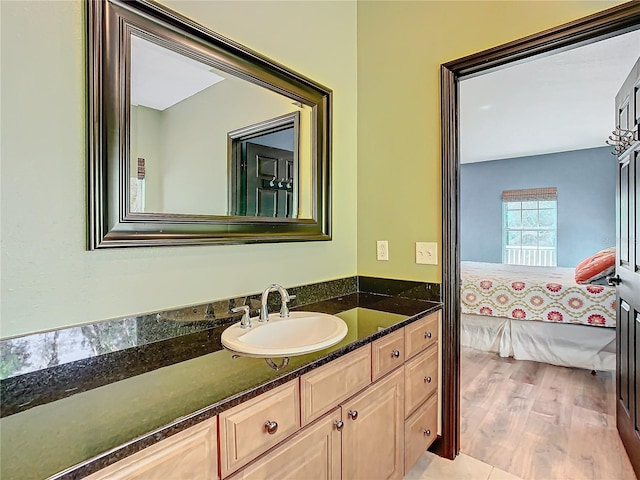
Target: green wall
pixel 49 280
pixel 380 58
pixel 401 46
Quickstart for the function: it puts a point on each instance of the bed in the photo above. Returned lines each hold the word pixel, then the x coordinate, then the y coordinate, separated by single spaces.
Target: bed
pixel 538 313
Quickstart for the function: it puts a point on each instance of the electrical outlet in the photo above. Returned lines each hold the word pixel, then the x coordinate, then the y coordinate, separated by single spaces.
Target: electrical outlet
pixel 382 250
pixel 427 253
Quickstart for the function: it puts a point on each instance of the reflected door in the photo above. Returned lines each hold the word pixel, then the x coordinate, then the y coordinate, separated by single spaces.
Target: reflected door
pixel 270 181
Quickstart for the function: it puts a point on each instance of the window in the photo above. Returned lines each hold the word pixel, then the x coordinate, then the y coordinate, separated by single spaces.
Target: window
pixel 530 227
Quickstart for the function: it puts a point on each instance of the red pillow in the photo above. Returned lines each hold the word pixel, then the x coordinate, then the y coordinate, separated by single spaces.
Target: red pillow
pixel 596 266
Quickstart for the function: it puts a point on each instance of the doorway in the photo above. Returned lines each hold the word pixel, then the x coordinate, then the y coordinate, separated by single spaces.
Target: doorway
pixel 603 25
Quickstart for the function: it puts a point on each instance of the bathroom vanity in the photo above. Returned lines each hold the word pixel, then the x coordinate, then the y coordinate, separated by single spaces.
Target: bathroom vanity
pixel 364 407
pixel 368 414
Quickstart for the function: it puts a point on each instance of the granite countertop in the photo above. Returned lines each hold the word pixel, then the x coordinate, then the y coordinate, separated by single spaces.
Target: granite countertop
pixel 155 386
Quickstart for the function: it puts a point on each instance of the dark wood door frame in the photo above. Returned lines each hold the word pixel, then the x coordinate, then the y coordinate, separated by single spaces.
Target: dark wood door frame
pixel 608 23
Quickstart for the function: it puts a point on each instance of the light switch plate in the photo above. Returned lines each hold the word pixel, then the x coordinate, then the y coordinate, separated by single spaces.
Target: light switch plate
pixel 427 253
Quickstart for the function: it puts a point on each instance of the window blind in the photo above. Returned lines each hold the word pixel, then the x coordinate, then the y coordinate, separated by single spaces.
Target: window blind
pixel 530 195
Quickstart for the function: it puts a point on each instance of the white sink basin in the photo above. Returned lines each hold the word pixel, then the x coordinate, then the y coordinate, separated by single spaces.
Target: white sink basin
pixel 302 332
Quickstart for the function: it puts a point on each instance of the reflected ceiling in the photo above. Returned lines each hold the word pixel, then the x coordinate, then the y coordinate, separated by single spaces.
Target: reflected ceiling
pixel 160 78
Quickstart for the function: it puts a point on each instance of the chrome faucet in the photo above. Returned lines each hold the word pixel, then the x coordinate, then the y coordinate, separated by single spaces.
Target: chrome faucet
pixel 286 298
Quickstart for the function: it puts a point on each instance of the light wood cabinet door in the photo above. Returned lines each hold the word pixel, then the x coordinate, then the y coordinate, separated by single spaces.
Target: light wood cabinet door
pixel 187 455
pixel 420 430
pixel 421 334
pixel 311 454
pixel 387 353
pixel 373 432
pixel 421 378
pixel 325 387
pixel 253 427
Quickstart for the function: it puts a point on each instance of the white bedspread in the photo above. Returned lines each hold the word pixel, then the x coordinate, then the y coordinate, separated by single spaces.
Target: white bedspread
pixel 566 345
pixel 548 294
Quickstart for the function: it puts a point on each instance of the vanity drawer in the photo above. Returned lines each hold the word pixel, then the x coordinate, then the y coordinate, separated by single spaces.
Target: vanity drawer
pixel 421 334
pixel 312 453
pixel 420 430
pixel 324 388
pixel 421 378
pixel 244 433
pixel 188 455
pixel 387 353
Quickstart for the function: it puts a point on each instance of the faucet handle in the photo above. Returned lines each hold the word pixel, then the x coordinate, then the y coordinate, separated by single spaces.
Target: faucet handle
pixel 284 308
pixel 246 319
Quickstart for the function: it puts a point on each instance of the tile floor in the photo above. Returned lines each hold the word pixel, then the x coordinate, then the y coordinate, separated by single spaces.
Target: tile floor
pixel 464 467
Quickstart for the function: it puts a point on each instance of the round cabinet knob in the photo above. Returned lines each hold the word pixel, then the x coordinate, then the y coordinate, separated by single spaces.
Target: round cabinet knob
pixel 427 432
pixel 271 427
pixel 338 424
pixel 353 414
pixel 395 353
pixel 427 334
pixel 427 379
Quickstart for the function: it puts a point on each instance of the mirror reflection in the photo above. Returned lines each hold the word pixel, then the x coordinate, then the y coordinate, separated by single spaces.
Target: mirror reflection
pixel 205 142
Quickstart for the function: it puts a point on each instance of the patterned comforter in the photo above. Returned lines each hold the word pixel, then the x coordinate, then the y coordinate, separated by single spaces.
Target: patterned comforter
pixel 549 294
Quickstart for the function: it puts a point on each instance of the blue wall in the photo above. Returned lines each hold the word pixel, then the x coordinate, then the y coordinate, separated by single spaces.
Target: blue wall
pixel 586 201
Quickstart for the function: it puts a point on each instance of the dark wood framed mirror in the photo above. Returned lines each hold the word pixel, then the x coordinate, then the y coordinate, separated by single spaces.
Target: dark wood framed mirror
pixel 171 104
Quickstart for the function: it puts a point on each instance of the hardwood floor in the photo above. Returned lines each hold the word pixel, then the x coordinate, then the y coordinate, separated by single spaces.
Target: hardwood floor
pixel 539 421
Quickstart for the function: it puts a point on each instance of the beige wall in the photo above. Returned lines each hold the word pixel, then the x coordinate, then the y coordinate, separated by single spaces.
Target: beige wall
pixel 48 278
pixel 401 46
pixel 145 137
